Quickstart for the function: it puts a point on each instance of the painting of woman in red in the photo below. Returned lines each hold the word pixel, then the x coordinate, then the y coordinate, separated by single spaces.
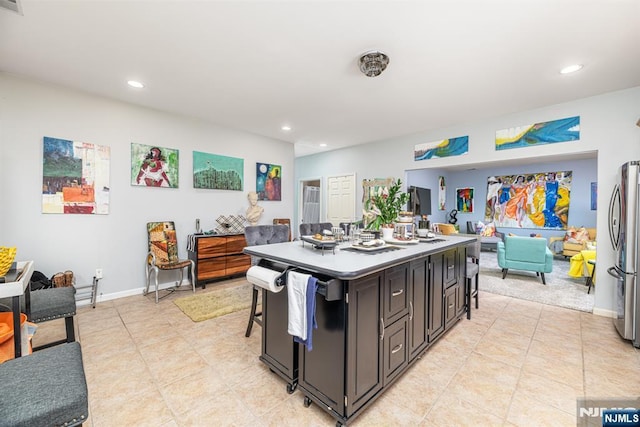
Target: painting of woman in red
pixel 153 170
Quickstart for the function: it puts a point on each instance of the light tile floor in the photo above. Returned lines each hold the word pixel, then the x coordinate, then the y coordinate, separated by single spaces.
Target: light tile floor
pixel 515 363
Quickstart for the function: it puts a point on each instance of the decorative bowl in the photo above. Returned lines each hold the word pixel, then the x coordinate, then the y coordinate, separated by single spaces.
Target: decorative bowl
pixel 7 255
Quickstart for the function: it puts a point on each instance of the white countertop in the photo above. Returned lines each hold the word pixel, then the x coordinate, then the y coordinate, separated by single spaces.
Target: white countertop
pixel 349 265
pixel 10 289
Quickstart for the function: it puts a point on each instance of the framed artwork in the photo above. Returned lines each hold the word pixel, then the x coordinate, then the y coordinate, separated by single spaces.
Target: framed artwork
pixel 539 134
pixel 268 181
pixel 75 177
pixel 442 193
pixel 594 196
pixel 153 166
pixel 529 200
pixel 443 148
pixel 464 200
pixel 217 172
pixel 371 186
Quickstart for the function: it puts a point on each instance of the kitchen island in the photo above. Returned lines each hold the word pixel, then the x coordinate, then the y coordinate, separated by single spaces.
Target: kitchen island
pixel 377 312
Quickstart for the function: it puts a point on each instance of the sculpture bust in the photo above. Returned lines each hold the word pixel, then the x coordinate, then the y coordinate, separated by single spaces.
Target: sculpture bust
pixel 254 212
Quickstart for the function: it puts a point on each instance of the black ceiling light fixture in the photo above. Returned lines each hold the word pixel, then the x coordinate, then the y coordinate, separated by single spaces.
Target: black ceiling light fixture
pixel 373 62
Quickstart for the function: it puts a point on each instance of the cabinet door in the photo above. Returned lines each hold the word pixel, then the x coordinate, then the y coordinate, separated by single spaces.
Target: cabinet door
pixel 436 297
pixel 450 306
pixel 396 353
pixel 396 295
pixel 364 340
pixel 451 267
pixel 211 246
pixel 461 297
pixel 418 297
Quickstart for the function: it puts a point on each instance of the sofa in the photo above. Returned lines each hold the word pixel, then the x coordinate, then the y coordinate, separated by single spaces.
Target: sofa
pixel 577 240
pixel 525 253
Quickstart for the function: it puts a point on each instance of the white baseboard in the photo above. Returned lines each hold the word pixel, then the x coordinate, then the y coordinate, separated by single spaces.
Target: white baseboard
pixel 130 292
pixel 604 313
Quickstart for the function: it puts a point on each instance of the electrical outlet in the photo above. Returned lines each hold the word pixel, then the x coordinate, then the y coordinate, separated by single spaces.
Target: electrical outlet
pixel 98 273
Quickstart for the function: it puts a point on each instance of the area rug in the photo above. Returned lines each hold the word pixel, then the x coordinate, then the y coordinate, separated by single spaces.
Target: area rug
pixel 561 290
pixel 216 303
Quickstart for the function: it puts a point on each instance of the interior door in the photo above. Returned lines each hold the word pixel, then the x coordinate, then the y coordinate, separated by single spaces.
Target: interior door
pixel 341 198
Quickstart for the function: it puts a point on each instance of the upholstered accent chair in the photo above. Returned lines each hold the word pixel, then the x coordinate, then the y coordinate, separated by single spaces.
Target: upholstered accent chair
pixel 262 235
pixel 525 253
pixel 309 229
pixel 163 256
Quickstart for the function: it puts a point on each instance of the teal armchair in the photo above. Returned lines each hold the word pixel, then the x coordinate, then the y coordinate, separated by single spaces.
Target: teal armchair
pixel 525 253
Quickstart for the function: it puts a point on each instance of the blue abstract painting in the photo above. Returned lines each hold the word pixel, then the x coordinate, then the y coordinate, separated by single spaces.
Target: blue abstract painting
pixel 442 148
pixel 538 134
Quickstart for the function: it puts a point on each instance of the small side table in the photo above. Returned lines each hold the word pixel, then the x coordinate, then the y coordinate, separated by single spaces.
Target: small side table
pixel 593 272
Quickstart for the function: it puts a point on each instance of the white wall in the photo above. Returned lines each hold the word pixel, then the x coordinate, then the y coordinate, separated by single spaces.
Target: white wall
pixel 117 242
pixel 607 125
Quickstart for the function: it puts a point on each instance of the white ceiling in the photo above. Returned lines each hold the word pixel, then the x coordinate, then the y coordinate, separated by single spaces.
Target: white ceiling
pixel 256 65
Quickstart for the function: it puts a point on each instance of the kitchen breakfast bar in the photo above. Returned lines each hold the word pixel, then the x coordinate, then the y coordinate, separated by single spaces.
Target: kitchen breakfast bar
pixel 377 311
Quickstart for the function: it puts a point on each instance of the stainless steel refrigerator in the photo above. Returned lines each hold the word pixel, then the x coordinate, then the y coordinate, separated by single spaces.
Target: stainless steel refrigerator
pixel 624 225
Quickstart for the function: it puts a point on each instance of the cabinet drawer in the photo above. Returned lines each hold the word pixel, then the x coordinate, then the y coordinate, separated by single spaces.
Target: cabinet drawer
pixel 450 267
pixel 211 268
pixel 212 246
pixel 237 264
pixel 396 293
pixel 396 354
pixel 235 244
pixel 450 305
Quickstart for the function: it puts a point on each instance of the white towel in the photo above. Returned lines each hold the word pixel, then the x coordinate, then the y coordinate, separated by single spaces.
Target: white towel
pixel 297 293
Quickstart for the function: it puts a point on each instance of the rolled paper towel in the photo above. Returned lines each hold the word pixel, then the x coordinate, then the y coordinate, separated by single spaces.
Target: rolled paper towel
pixel 264 278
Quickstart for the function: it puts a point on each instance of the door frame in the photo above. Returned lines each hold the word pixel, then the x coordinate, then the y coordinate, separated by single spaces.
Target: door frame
pixel 301 183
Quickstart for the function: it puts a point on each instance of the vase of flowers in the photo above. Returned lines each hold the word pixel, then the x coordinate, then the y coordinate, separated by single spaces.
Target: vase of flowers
pixel 381 210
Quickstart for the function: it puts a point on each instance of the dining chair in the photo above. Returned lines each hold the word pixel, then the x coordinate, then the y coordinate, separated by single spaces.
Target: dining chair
pixel 163 256
pixel 261 235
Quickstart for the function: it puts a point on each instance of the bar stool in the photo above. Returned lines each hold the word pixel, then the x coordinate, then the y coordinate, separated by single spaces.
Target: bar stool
pixel 590 278
pixel 262 235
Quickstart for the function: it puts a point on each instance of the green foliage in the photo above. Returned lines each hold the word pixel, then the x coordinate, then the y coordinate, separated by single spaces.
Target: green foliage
pixel 384 206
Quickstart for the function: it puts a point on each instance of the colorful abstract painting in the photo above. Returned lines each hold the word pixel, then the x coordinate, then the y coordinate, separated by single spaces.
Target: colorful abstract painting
pixel 443 148
pixel 442 193
pixel 529 200
pixel 538 134
pixel 217 172
pixel 153 166
pixel 268 181
pixel 464 200
pixel 75 177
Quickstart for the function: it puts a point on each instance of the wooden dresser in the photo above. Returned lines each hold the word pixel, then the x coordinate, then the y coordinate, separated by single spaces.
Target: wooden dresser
pixel 218 256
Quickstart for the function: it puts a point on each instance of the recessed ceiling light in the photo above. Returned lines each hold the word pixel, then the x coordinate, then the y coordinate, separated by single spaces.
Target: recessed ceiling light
pixel 286 128
pixel 571 69
pixel 323 145
pixel 135 84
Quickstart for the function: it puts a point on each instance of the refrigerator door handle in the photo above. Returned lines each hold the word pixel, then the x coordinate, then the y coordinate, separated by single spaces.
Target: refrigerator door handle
pixel 613 271
pixel 614 226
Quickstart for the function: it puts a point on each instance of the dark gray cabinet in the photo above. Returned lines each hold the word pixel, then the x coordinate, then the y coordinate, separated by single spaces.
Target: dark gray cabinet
pixel 436 297
pixel 369 337
pixel 418 306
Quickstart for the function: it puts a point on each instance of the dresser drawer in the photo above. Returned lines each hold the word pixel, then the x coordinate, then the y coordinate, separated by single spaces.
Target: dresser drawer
pixel 211 268
pixel 237 264
pixel 212 246
pixel 235 244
